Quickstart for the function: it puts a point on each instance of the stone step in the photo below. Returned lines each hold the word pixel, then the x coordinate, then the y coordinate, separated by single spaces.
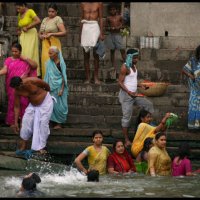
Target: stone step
pixel 172 135
pixel 64 8
pixel 108 74
pixel 177 100
pixel 173 54
pixel 63 144
pixel 110 88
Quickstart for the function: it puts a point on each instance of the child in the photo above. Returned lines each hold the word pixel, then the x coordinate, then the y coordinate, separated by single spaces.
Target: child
pixel 181 165
pixel 114 23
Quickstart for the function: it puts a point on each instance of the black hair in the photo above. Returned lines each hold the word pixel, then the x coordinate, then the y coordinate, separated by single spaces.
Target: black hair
pixel 17 46
pixel 113 5
pixel 54 6
pixel 29 183
pixel 183 150
pixel 159 134
pixel 143 113
pixel 21 4
pixel 115 143
pixel 197 53
pixel 36 177
pixel 93 176
pixel 131 51
pixel 146 146
pixel 15 81
pixel 96 132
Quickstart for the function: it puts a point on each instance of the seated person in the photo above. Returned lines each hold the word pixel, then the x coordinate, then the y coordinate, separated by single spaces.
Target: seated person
pixel 181 165
pixel 97 155
pixel 141 160
pixel 144 130
pixel 159 161
pixel 120 161
pixel 28 187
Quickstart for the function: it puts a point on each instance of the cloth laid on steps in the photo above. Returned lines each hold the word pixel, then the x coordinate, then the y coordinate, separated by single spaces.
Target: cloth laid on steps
pixel 27 154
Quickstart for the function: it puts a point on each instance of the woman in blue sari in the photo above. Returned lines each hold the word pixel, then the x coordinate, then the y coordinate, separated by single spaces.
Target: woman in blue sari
pixel 192 71
pixel 56 77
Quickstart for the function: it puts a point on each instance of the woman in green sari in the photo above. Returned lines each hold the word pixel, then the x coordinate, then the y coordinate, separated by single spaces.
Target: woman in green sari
pixel 56 77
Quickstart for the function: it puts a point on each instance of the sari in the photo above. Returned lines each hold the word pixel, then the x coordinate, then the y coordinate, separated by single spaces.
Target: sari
pixel 54 78
pixel 121 163
pixel 144 130
pixel 160 160
pixel 193 67
pixel 49 26
pixel 97 160
pixel 15 67
pixel 29 40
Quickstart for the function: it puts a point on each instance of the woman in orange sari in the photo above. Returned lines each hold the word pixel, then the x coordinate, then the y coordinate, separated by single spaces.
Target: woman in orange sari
pixel 52 27
pixel 144 130
pixel 120 160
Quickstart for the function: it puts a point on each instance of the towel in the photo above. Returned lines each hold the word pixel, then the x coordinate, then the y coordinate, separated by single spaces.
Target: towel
pixel 90 34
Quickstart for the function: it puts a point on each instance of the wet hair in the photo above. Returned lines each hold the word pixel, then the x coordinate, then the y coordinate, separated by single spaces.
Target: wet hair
pixel 159 134
pixel 15 81
pixel 143 113
pixel 17 46
pixel 29 183
pixel 96 132
pixel 183 150
pixel 93 176
pixel 21 4
pixel 53 5
pixel 36 177
pixel 115 143
pixel 146 146
pixel 197 53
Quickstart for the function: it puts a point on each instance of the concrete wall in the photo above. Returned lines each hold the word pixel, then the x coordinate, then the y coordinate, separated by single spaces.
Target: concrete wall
pixel 179 19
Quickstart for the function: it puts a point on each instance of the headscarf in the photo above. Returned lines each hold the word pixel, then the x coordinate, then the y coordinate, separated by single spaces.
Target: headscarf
pixel 129 57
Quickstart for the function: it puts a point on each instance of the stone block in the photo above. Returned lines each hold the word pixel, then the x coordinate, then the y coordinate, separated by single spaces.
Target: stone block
pixel 173 54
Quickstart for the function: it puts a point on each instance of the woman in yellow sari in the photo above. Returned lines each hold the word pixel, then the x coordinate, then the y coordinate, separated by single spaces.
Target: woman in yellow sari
pixel 159 161
pixel 97 155
pixel 28 36
pixel 144 130
pixel 52 27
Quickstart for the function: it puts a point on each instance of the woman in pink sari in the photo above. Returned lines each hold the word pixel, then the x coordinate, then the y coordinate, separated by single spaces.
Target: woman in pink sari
pixel 17 65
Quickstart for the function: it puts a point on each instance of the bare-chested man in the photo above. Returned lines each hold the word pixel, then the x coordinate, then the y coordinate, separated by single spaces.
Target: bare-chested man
pixel 35 121
pixel 114 22
pixel 91 31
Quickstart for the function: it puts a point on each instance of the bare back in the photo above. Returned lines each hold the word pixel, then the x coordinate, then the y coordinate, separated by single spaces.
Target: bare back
pixel 91 11
pixel 33 88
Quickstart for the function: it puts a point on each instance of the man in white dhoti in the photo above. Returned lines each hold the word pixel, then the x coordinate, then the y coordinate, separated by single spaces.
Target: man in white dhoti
pixel 35 121
pixel 91 31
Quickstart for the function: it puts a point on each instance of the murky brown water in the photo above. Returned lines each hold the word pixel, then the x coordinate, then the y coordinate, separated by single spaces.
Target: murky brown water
pixel 71 183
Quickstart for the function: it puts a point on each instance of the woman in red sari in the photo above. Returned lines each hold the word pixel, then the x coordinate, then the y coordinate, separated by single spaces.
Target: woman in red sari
pixel 120 161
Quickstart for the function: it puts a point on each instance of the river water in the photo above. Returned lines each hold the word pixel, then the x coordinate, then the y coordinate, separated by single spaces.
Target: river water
pixel 71 183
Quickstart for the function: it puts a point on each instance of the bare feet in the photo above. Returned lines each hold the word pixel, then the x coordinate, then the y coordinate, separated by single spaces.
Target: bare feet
pixel 97 82
pixel 58 126
pixel 42 151
pixel 87 82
